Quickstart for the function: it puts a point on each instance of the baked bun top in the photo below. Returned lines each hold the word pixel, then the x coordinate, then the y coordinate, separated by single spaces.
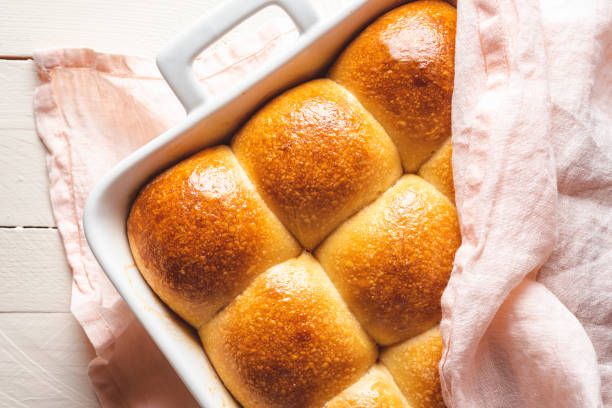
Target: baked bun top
pixel 401 68
pixel 438 170
pixel 316 156
pixel 376 389
pixel 414 367
pixel 200 233
pixel 214 235
pixel 392 261
pixel 288 340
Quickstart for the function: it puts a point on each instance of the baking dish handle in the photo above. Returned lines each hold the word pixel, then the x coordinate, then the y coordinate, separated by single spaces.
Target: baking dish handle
pixel 175 60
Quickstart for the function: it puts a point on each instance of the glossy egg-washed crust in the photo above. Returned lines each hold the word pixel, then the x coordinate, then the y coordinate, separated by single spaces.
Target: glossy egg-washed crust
pixel 401 68
pixel 205 232
pixel 200 233
pixel 288 340
pixel 376 389
pixel 316 156
pixel 414 367
pixel 438 171
pixel 391 261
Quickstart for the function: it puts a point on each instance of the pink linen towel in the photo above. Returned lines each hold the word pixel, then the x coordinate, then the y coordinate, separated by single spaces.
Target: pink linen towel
pixel 527 315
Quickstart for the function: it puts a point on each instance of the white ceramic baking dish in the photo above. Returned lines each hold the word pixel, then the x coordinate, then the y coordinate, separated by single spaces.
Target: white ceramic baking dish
pixel 209 121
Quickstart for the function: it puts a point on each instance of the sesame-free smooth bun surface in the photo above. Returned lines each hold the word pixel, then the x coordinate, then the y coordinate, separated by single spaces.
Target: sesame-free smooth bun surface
pixel 401 68
pixel 321 168
pixel 316 156
pixel 288 340
pixel 438 170
pixel 376 389
pixel 200 233
pixel 391 261
pixel 414 367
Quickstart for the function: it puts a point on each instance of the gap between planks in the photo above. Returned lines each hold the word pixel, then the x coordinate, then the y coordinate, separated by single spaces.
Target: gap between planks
pixel 24 186
pixel 34 312
pixel 26 227
pixel 16 57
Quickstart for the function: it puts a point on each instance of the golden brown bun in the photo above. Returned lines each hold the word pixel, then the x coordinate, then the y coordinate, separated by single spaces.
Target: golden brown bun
pixel 323 161
pixel 401 68
pixel 414 367
pixel 199 234
pixel 438 170
pixel 317 157
pixel 392 260
pixel 376 389
pixel 288 340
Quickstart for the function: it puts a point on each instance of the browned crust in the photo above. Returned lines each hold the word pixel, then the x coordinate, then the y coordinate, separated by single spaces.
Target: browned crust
pixel 414 367
pixel 391 262
pixel 316 156
pixel 288 341
pixel 199 234
pixel 376 389
pixel 401 68
pixel 438 171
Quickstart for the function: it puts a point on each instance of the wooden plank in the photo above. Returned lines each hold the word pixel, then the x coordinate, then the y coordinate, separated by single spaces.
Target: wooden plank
pixel 35 275
pixel 43 361
pixel 127 27
pixel 23 175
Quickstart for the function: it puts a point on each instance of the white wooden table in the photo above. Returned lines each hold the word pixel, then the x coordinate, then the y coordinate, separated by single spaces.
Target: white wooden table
pixel 43 352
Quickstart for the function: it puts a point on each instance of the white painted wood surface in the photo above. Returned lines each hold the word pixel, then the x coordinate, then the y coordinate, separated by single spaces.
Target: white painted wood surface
pixel 23 175
pixel 43 352
pixel 133 27
pixel 43 361
pixel 35 276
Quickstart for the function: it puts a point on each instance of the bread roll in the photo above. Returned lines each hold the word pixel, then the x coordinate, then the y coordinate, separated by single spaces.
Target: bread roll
pixel 323 161
pixel 414 367
pixel 401 68
pixel 376 389
pixel 438 171
pixel 288 340
pixel 316 156
pixel 392 260
pixel 199 234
